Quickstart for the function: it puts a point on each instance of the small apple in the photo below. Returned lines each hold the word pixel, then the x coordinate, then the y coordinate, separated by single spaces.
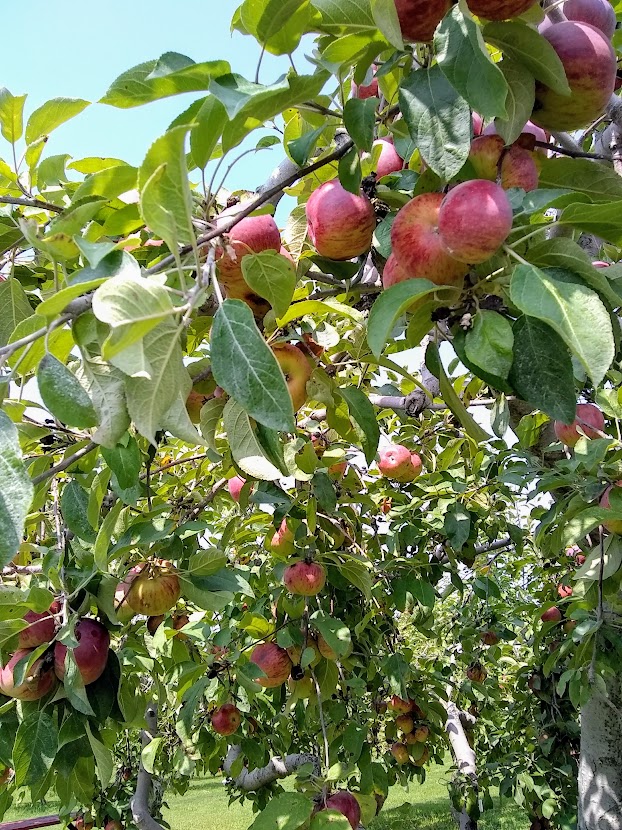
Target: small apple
pixel 564 591
pixel 113 824
pixel 38 681
pixel 340 224
pixel 389 161
pixel 400 752
pixel 226 719
pixel 476 672
pixel 344 802
pixel 489 637
pixel 282 542
pixel 153 623
pixel 303 688
pixel 398 704
pixel 305 579
pixel 529 129
pixel 41 627
pixel 589 419
pixel 405 723
pixel 194 404
pixel 364 91
pixel 82 823
pixel 122 607
pixel 295 652
pixel 398 463
pixel 251 235
pixel 422 733
pixel 234 486
pixel 474 220
pixel 580 559
pixel 612 525
pixel 155 590
pixel 598 13
pixel 477 124
pixel 329 653
pixel 551 615
pixel 297 371
pixel 600 264
pixel 512 166
pixel 419 18
pixel 569 626
pixel 499 9
pixel 91 653
pixel 274 662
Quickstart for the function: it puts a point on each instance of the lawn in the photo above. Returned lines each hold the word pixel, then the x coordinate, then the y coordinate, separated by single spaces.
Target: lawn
pixel 206 806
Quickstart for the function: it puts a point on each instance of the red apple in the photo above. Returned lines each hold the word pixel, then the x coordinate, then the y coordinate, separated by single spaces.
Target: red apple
pixel 234 485
pixel 580 559
pixel 274 662
pixel 400 752
pixel 499 9
pixel 476 672
pixel 91 653
pixel 340 224
pixel 417 246
pixel 551 615
pixel 251 235
pixel 81 823
pixel 226 719
pixel 398 704
pixel 155 590
pixel 364 91
pixel 393 273
pixel 194 404
pixel 590 64
pixel 297 371
pixel 474 220
pixel 489 637
pixel 477 123
pixel 589 419
pixel 304 578
pixel 600 264
pixel 389 160
pixel 419 18
pixel 598 13
pixel 530 129
pixel 153 623
pixel 41 627
pixel 490 159
pixel 405 723
pixel 122 608
pixel 113 824
pixel 344 802
pixel 398 463
pixel 282 542
pixel 564 591
pixel 613 525
pixel 39 679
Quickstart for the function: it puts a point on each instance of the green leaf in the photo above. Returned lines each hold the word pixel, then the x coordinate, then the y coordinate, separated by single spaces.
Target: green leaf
pixel 335 632
pixel 542 369
pixel 26 359
pixel 390 305
pixel 277 24
pixel 527 46
pixel 386 19
pixel 287 811
pixel 597 181
pixel 359 574
pixel 601 220
pixel 103 758
pixel 574 311
pixel 57 303
pixel 329 306
pixel 11 115
pixel 176 419
pixel 457 525
pixel 245 367
pixel 9 234
pixel 208 562
pixel 350 174
pixel 106 387
pixel 438 119
pixel 210 121
pixel 16 491
pixel 211 413
pixel 302 148
pixel 462 55
pixel 364 416
pixel 353 15
pixel 125 462
pixel 63 394
pixel 108 183
pixel 519 102
pixel 330 819
pixel 161 78
pixel 489 343
pixel 104 536
pixel 245 448
pixel 494 381
pixel 149 754
pixel 272 276
pixel 74 506
pixel 36 744
pixel 15 307
pixel 359 117
pixel 51 115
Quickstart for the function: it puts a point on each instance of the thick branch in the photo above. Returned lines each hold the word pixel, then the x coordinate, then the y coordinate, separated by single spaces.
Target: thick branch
pixel 464 756
pixel 140 800
pixel 275 769
pixel 17 200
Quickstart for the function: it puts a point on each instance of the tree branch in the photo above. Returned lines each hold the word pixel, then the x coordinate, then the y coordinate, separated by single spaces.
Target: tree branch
pixel 276 769
pixel 73 310
pixel 139 802
pixel 15 200
pixel 67 462
pixel 464 756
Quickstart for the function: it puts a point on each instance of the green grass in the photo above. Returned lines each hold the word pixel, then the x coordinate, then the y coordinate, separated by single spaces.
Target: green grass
pixel 206 806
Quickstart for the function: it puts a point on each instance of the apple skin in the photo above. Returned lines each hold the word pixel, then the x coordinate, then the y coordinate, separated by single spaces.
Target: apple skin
pixel 194 404
pixel 122 607
pixel 398 704
pixel 91 653
pixel 226 719
pixel 422 733
pixel 474 220
pixel 405 723
pixel 80 823
pixel 588 417
pixel 393 273
pixel 37 683
pixel 518 169
pixel 234 486
pixel 400 752
pixel 389 160
pixel 590 64
pixel 551 615
pixel 598 13
pixel 113 824
pixel 419 18
pixel 530 129
pixel 297 371
pixel 613 525
pixel 274 662
pixel 340 224
pixel 417 245
pixel 364 91
pixel 306 579
pixel 398 463
pixel 344 802
pixel 600 264
pixel 489 637
pixel 41 627
pixel 499 9
pixel 477 124
pixel 155 590
pixel 282 542
pixel 564 591
pixel 251 235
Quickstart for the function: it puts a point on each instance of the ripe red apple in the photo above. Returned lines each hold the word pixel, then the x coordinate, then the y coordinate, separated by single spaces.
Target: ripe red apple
pixel 598 13
pixel 564 591
pixel 398 704
pixel 297 371
pixel 364 91
pixel 282 542
pixel 419 18
pixel 499 9
pixel 274 662
pixel 422 733
pixel 477 123
pixel 551 615
pixel 389 160
pixel 81 823
pixel 250 236
pixel 340 224
pixel 155 590
pixel 417 246
pixel 405 723
pixel 589 418
pixel 590 64
pixel 474 220
pixel 153 623
pixel 39 679
pixel 476 672
pixel 91 653
pixel 5 775
pixel 530 129
pixel 613 525
pixel 489 637
pixel 304 578
pixel 398 463
pixel 580 559
pixel 344 802
pixel 226 719
pixel 400 752
pixel 234 485
pixel 393 273
pixel 517 167
pixel 41 627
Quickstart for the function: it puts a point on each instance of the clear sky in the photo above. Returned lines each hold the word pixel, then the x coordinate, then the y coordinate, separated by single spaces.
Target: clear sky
pixel 75 49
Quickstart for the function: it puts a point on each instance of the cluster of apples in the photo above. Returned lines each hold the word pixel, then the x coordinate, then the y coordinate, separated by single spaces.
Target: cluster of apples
pixel 409 722
pixel 398 463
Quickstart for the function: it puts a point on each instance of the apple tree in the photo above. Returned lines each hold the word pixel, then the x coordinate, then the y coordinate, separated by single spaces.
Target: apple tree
pixel 322 478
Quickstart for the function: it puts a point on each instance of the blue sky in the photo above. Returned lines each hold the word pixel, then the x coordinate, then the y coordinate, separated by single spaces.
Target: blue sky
pixel 73 49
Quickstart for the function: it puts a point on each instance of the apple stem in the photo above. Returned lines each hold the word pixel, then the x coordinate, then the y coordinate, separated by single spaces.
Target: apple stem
pixel 516 256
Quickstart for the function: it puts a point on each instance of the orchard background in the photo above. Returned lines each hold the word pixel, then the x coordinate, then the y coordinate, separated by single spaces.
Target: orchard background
pixel 326 496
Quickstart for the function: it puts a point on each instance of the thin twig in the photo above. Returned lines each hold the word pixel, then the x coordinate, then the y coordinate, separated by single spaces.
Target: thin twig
pixel 67 462
pixel 17 200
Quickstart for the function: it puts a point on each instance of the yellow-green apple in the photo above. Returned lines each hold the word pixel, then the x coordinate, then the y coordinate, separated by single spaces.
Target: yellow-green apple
pixel 511 166
pixel 405 723
pixel 297 371
pixel 91 653
pixel 590 65
pixel 295 652
pixel 612 525
pixel 598 13
pixel 303 688
pixel 154 590
pixel 398 463
pixel 122 607
pixel 499 9
pixel 422 733
pixel 345 803
pixel 234 486
pixel 476 672
pixel 328 652
pixel 419 18
pixel 423 758
pixel 551 615
pixel 282 542
pixel 400 752
pixel 589 419
pixel 194 404
pixel 474 220
pixel 38 681
pixel 306 579
pixel 250 236
pixel 389 160
pixel 226 719
pixel 41 627
pixel 417 245
pixel 340 224
pixel 274 662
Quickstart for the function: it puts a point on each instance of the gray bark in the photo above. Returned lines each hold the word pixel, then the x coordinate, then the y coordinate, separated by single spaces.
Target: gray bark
pixel 276 768
pixel 464 757
pixel 140 800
